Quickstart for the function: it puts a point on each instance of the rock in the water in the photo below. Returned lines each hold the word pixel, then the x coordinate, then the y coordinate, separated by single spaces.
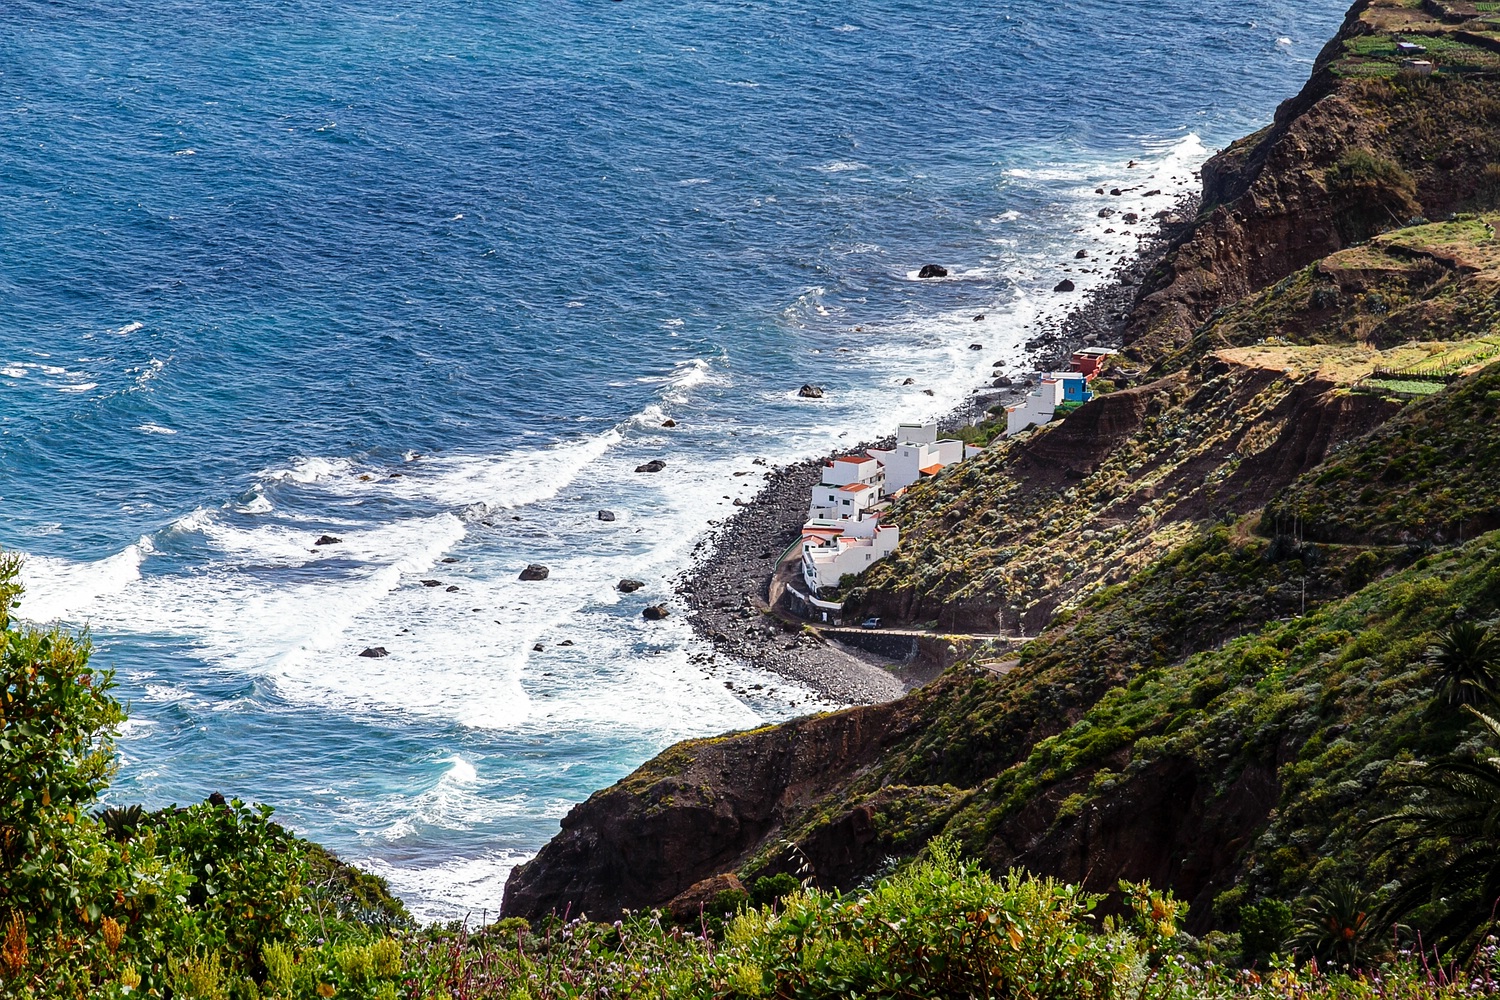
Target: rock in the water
pixel 689 904
pixel 629 586
pixel 1116 192
pixel 811 392
pixel 566 642
pixel 910 381
pixel 655 465
pixel 928 392
pixel 1065 285
pixel 1081 255
pixel 535 571
pixel 375 652
pixel 432 583
pixel 1105 213
pixel 328 540
pixel 451 590
pixel 933 271
pixel 1003 382
pixel 606 515
pixel 655 613
pixel 979 318
pixel 1130 218
pixel 539 648
pixel 976 347
pixel 669 422
pixel 1152 193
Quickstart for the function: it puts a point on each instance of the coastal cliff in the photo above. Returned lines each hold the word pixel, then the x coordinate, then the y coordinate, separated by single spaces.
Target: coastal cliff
pixel 1225 566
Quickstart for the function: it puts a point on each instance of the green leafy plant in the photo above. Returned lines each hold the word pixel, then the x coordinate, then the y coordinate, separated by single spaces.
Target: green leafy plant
pixel 1467 658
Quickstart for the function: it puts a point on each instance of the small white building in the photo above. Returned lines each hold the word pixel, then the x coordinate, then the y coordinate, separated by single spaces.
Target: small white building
pixel 832 550
pixel 850 488
pixel 1041 404
pixel 917 453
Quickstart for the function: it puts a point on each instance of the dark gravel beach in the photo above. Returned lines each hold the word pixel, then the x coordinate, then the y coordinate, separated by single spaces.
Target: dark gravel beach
pixel 726 589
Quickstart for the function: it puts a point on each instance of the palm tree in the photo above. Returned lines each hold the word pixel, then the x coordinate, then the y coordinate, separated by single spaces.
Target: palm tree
pixel 1467 658
pixel 1335 923
pixel 1461 806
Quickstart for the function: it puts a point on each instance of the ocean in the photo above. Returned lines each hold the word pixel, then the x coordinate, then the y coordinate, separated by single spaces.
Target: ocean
pixel 428 278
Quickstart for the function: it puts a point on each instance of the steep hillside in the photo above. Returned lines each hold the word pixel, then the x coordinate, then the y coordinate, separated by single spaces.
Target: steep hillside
pixel 1365 146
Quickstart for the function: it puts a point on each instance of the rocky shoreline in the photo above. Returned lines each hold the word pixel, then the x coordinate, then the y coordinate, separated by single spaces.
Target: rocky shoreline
pixel 725 590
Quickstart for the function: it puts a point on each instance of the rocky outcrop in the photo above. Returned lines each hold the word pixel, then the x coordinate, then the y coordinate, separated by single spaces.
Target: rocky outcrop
pixel 933 271
pixel 535 571
pixel 700 809
pixel 1272 203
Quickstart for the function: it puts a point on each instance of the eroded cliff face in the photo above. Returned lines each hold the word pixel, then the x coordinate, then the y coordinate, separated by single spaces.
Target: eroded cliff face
pixel 699 809
pixel 1149 730
pixel 1356 152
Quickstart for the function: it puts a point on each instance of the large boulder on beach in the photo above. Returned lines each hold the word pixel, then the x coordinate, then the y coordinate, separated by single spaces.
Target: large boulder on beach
pixel 811 392
pixel 655 465
pixel 535 571
pixel 655 613
pixel 629 586
pixel 933 271
pixel 1065 285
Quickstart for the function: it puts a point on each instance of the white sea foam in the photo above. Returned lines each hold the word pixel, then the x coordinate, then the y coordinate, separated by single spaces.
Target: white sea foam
pixel 452 890
pixel 154 429
pixel 57 589
pixel 128 329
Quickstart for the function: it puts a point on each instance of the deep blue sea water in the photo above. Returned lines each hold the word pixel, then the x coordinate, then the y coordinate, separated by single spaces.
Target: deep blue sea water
pixel 429 276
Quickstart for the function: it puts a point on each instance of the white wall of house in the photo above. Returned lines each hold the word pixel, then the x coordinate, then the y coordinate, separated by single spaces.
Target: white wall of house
pixel 836 503
pixel 852 469
pixel 827 560
pixel 1036 408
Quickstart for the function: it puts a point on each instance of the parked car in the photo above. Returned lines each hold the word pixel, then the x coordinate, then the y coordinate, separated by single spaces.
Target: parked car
pixel 870 623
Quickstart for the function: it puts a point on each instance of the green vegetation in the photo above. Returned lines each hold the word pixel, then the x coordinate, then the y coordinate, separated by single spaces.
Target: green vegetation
pixel 1426 476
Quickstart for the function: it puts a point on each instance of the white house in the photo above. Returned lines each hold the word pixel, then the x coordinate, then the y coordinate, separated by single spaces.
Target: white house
pixel 917 453
pixel 850 488
pixel 1039 406
pixel 832 550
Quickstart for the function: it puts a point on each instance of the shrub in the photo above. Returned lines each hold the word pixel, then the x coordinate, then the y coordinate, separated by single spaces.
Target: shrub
pixel 1265 927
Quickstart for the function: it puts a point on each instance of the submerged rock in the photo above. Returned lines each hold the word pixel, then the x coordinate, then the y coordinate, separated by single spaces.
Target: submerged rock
pixel 534 571
pixel 375 652
pixel 606 515
pixel 629 586
pixel 933 271
pixel 432 583
pixel 669 422
pixel 328 540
